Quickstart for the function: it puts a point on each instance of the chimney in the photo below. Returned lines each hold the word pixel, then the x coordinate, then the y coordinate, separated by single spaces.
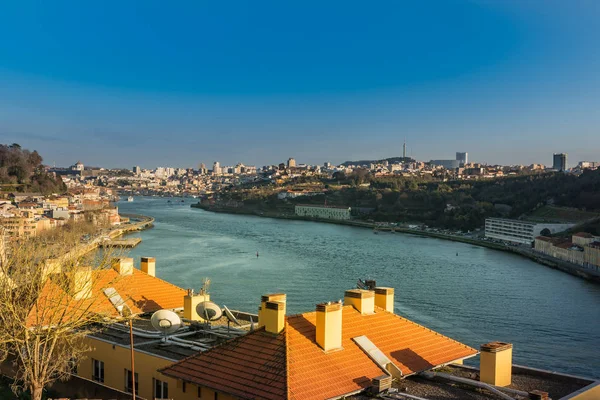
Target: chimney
pixel 274 316
pixel 190 301
pixel 362 300
pixel 123 265
pixel 281 297
pixel 51 266
pixel 329 326
pixel 496 363
pixel 384 298
pixel 148 265
pixel 81 283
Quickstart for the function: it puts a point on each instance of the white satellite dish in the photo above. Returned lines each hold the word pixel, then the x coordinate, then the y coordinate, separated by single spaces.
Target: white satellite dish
pixel 209 311
pixel 165 321
pixel 230 316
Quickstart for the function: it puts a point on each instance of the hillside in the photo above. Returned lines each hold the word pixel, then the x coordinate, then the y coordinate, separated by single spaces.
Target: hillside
pixel 21 170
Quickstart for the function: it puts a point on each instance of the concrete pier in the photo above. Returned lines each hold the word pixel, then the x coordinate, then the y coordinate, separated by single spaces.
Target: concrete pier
pixel 126 243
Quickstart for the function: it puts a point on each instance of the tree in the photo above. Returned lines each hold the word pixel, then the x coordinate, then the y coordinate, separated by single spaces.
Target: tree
pixel 46 307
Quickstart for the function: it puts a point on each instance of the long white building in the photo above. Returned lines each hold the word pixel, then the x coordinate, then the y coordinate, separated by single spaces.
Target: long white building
pixel 516 231
pixel 325 212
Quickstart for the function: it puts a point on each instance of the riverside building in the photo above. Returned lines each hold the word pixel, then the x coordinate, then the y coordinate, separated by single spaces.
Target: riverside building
pixel 517 231
pixel 324 212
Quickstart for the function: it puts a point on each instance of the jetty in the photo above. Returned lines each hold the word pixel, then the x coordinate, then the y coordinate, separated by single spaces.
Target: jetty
pixel 124 243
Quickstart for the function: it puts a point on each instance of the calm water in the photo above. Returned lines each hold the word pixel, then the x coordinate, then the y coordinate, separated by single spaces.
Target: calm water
pixel 553 319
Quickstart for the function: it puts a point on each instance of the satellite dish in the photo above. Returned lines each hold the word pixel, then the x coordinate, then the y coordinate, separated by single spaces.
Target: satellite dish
pixel 165 321
pixel 209 311
pixel 230 316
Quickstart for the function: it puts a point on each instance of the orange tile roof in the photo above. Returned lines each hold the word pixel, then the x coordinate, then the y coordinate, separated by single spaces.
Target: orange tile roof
pixel 250 367
pixel 584 235
pixel 300 365
pixel 142 293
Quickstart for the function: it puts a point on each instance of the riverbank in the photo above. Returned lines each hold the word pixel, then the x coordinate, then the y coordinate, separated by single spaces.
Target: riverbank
pixel 560 265
pixel 142 222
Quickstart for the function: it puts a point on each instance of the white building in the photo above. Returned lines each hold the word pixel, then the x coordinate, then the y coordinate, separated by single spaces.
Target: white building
pixel 524 232
pixel 325 212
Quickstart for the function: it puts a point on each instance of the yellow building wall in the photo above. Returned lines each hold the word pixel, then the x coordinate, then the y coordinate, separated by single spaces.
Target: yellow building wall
pixel 593 393
pixel 117 358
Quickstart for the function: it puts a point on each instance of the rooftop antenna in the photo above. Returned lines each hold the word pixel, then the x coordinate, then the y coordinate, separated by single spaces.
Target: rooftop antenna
pixel 205 286
pixel 209 311
pixel 230 317
pixel 166 322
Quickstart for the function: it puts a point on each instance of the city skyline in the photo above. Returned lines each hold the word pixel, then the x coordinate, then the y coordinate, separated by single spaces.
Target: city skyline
pixel 510 83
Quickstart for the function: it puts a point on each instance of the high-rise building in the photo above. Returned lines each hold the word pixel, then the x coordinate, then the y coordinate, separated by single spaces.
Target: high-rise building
pixel 291 162
pixel 404 149
pixel 560 161
pixel 137 170
pixel 216 168
pixel 462 158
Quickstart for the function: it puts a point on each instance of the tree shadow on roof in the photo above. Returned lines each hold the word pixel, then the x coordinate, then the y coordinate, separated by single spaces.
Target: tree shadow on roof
pixel 411 360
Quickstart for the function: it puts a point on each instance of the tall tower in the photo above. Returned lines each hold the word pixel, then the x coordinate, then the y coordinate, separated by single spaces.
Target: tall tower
pixel 559 161
pixel 404 149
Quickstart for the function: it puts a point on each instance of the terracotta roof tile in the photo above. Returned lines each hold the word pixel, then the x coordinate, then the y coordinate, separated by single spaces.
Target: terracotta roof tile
pixel 250 367
pixel 292 366
pixel 142 293
pixel 584 235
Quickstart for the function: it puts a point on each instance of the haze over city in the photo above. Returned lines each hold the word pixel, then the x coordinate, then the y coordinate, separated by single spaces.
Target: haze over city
pixel 509 82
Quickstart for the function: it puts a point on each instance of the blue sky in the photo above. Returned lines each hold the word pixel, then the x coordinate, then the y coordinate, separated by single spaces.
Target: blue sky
pixel 155 83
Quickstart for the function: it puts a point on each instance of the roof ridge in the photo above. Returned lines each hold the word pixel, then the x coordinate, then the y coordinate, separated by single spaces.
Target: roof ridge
pixel 156 277
pixel 201 353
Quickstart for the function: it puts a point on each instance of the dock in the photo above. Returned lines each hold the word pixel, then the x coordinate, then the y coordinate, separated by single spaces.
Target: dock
pixel 125 243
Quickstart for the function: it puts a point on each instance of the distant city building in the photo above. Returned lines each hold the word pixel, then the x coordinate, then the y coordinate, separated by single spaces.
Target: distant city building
pixel 325 212
pixel 137 170
pixel 327 165
pixel 216 168
pixel 517 231
pixel 559 162
pixel 291 162
pixel 462 158
pixel 448 164
pixel 588 165
pixel 404 149
pixel 78 166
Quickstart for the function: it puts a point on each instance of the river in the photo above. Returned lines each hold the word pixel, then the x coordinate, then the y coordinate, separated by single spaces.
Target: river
pixel 470 293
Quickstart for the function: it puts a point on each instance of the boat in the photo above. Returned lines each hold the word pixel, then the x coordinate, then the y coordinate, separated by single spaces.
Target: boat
pixel 130 198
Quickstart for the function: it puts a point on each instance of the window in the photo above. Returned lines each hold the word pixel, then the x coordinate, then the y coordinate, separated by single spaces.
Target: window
pixel 98 370
pixel 161 389
pixel 128 383
pixel 199 392
pixel 183 387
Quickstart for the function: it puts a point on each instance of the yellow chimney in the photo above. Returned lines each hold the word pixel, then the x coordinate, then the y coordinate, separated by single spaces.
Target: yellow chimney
pixel 496 363
pixel 148 265
pixel 190 301
pixel 329 326
pixel 281 297
pixel 274 316
pixel 384 298
pixel 51 266
pixel 362 300
pixel 81 283
pixel 123 265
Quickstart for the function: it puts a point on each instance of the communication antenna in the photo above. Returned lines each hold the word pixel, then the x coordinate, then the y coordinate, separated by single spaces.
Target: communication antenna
pixel 209 311
pixel 205 286
pixel 166 322
pixel 230 317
